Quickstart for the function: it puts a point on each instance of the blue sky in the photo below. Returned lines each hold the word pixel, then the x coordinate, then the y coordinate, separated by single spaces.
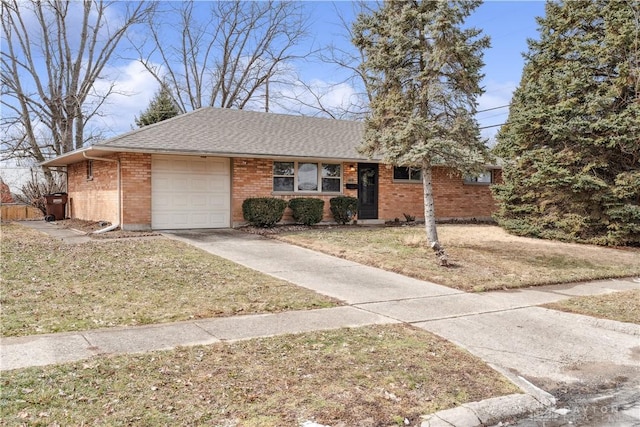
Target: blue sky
pixel 508 23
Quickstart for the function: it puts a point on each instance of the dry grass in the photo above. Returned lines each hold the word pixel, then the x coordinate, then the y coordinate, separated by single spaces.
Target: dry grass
pixel 620 306
pixel 374 376
pixel 484 257
pixel 48 286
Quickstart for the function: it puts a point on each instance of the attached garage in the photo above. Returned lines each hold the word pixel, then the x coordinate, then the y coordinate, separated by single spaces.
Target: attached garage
pixel 190 192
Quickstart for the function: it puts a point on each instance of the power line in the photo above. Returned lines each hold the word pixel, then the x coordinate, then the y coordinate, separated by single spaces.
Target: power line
pixel 492 126
pixel 485 118
pixel 494 108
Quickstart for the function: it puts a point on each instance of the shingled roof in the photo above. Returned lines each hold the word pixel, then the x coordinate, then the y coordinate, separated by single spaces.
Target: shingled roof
pixel 236 133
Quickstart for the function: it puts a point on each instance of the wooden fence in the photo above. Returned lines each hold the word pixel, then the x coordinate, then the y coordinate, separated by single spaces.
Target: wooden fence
pixel 19 212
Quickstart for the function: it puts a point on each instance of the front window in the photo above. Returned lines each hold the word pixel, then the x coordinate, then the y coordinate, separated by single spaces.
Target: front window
pixel 307 177
pixel 485 178
pixel 283 176
pixel 403 173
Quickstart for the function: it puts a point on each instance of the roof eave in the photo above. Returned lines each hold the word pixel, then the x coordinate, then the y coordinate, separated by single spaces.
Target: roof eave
pixel 101 151
pixel 73 157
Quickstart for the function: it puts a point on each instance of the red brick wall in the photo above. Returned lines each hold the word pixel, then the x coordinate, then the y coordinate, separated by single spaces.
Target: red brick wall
pixel 136 191
pixel 94 199
pixel 397 198
pixel 254 178
pixel 453 198
pixel 249 178
pixel 97 199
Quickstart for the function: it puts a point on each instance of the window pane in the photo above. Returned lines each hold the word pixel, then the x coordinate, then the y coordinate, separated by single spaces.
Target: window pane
pixel 308 176
pixel 403 173
pixel 283 184
pixel 331 185
pixel 400 172
pixel 484 178
pixel 283 168
pixel 330 171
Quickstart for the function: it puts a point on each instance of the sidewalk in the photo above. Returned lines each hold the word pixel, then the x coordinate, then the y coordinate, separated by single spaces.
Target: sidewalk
pixel 64 234
pixel 505 328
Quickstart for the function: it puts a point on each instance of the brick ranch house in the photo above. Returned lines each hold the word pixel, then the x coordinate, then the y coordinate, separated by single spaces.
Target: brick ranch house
pixel 196 169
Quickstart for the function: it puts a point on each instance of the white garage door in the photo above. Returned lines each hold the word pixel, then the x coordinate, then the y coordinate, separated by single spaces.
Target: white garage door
pixel 189 192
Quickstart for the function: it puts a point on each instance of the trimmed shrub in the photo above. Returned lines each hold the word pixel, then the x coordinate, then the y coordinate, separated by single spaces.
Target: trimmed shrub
pixel 307 210
pixel 343 208
pixel 263 211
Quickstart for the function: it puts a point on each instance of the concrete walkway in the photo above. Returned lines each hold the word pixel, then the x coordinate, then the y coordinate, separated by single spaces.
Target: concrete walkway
pixel 529 344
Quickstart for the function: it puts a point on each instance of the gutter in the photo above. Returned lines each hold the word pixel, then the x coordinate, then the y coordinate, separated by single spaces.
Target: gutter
pixel 116 225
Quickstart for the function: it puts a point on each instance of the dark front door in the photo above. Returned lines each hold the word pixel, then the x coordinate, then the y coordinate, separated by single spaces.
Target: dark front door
pixel 367 191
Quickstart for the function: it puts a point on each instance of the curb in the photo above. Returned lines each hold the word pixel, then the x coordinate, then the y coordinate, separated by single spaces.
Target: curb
pixel 493 411
pixel 485 412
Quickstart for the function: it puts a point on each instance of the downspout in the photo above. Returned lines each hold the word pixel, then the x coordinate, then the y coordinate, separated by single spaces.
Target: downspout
pixel 119 191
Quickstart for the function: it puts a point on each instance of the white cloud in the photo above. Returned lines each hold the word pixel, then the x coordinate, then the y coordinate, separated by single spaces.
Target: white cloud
pixel 314 97
pixel 340 95
pixel 134 88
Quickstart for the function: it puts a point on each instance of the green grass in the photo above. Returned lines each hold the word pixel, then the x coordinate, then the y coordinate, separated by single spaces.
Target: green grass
pixel 483 257
pixel 48 286
pixel 376 375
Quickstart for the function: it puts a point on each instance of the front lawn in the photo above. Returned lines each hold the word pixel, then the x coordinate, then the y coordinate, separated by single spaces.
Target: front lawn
pixel 372 376
pixel 484 257
pixel 49 286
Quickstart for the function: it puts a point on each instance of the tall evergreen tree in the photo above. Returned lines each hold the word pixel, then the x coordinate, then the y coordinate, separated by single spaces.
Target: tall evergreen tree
pixel 422 71
pixel 572 140
pixel 160 108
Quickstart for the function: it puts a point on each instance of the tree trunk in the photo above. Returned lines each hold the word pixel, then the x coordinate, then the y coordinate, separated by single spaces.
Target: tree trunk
pixel 430 216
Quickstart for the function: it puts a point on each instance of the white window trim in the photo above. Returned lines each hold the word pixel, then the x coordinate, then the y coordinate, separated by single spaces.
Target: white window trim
pixel 273 176
pixel 89 170
pixel 406 181
pixel 319 163
pixel 467 181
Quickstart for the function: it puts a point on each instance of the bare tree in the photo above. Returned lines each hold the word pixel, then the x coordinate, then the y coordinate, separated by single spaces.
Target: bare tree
pixel 227 55
pixel 320 98
pixel 53 53
pixel 33 191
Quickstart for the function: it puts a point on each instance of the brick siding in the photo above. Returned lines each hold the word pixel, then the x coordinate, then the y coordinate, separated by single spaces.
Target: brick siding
pixel 136 191
pixel 97 199
pixel 453 198
pixel 93 198
pixel 254 178
pixel 5 193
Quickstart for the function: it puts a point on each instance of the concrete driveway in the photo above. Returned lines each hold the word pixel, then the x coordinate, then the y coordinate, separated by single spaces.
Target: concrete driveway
pixel 507 329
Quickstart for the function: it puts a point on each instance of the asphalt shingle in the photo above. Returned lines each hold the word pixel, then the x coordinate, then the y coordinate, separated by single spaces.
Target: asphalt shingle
pixel 221 131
